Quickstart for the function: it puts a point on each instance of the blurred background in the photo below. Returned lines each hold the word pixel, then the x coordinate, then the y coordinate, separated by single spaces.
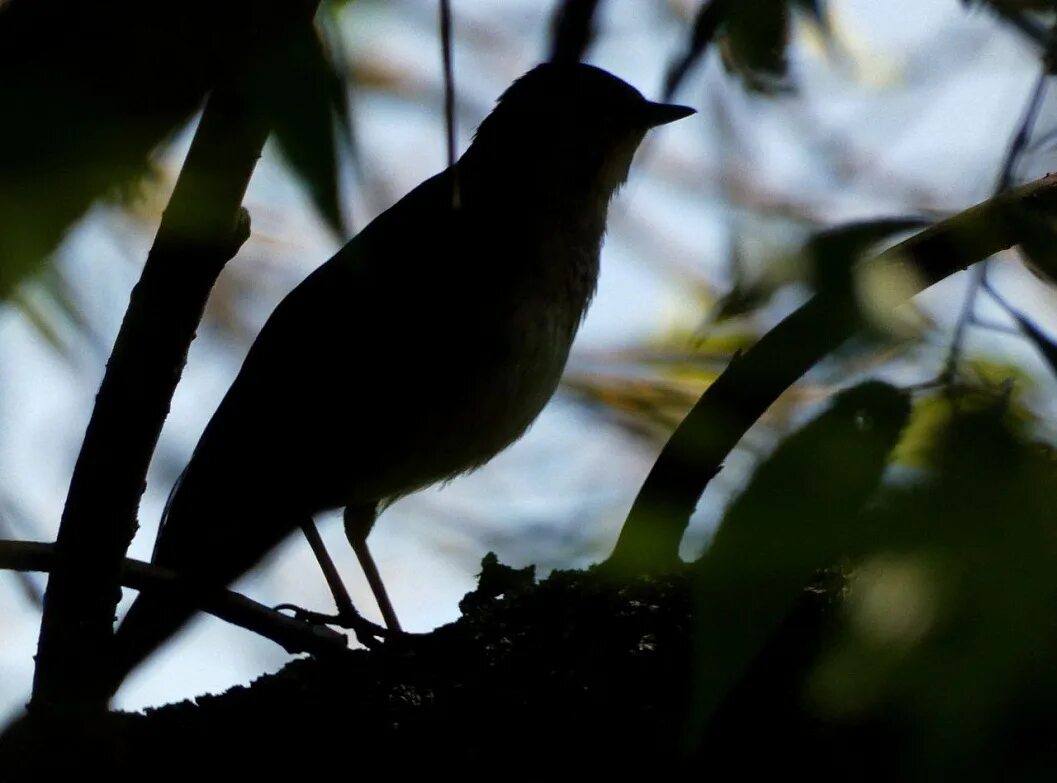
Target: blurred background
pixel 852 110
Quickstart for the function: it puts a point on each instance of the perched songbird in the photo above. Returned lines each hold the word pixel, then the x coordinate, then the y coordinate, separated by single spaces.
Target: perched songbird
pixel 428 344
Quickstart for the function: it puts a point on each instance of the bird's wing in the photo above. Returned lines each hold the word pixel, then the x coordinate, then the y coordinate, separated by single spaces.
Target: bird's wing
pixel 332 368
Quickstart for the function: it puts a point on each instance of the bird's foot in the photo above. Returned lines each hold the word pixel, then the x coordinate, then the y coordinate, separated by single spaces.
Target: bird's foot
pixel 370 635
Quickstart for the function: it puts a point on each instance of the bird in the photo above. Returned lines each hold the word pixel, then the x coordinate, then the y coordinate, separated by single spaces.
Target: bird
pixel 425 346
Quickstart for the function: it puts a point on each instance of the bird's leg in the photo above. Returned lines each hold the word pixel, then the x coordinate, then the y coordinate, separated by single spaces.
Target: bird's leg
pixel 358 523
pixel 366 631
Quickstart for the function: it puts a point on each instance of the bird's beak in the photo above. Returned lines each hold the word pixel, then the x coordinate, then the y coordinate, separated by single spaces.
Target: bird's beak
pixel 663 113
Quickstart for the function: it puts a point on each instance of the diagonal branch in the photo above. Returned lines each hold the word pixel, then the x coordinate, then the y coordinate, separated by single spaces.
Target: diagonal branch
pixel 294 636
pixel 752 382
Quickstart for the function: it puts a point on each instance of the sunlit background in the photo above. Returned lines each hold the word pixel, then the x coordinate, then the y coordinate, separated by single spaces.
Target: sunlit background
pixel 895 108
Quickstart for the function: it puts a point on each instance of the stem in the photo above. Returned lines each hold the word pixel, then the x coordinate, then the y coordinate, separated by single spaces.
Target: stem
pixel 449 92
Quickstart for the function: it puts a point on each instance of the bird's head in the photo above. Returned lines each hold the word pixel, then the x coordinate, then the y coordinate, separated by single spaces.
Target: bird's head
pixel 569 123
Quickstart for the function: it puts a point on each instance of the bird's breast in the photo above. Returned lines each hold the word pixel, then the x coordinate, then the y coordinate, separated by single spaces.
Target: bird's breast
pixel 494 360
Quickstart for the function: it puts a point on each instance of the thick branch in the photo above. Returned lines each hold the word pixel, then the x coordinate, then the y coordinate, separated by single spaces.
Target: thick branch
pixel 202 229
pixel 292 635
pixel 752 382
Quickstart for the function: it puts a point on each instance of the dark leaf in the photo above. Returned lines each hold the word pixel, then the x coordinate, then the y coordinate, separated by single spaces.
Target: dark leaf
pixel 833 252
pixel 706 23
pixel 950 623
pixel 307 102
pixel 1038 243
pixel 797 516
pixel 816 10
pixel 754 44
pixel 90 90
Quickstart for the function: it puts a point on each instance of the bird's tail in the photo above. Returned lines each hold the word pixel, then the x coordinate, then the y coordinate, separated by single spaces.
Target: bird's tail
pixel 150 622
pixel 203 537
pixel 152 618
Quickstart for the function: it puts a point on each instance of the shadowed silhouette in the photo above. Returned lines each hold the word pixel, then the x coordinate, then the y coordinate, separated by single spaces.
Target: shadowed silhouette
pixel 428 344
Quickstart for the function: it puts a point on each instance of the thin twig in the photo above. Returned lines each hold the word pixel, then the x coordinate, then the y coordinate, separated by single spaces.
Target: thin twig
pixel 449 78
pixel 294 636
pixel 1017 146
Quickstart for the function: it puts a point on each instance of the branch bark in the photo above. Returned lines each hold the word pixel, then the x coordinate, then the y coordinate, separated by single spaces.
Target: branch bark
pixel 294 636
pixel 203 227
pixel 752 382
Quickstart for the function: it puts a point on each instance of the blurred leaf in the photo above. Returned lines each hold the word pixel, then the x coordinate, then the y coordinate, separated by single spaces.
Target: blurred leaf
pixel 815 10
pixel 91 90
pixel 306 98
pixel 572 29
pixel 950 625
pixel 1038 242
pixel 753 38
pixel 706 23
pixel 743 299
pixel 41 321
pixel 649 389
pixel 796 517
pixel 755 41
pixel 651 407
pixel 932 413
pixel 833 251
pixel 1042 343
pixel 49 306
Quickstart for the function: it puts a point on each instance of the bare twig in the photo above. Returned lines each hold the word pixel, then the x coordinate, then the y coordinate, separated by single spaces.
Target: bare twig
pixel 1017 145
pixel 449 78
pixel 294 636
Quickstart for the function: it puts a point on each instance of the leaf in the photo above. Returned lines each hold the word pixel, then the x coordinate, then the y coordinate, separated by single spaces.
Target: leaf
pixel 84 118
pixel 797 516
pixel 1038 242
pixel 305 98
pixel 950 623
pixel 706 23
pixel 816 10
pixel 833 251
pixel 754 44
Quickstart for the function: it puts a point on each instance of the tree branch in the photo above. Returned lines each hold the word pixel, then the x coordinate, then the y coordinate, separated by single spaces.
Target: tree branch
pixel 294 636
pixel 203 227
pixel 752 382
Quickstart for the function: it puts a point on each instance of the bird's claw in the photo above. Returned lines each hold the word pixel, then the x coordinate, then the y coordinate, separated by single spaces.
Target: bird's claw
pixel 370 635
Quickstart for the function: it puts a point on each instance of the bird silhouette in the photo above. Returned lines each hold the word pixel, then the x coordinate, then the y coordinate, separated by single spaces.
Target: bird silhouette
pixel 425 346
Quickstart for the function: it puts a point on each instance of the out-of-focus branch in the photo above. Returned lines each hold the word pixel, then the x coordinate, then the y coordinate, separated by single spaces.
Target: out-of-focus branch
pixel 449 78
pixel 654 528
